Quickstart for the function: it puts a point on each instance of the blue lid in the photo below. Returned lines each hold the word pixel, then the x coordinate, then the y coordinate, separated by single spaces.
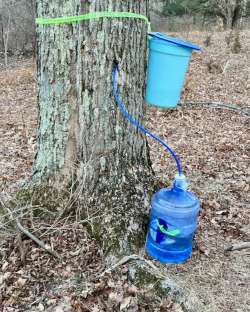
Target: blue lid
pixel 173 40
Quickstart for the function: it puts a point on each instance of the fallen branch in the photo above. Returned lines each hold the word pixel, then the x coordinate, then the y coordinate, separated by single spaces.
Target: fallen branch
pixel 29 235
pixel 37 240
pixel 218 105
pixel 239 246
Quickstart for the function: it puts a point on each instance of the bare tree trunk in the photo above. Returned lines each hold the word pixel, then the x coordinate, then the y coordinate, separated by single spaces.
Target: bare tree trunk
pixel 240 13
pixel 231 12
pixel 82 137
pixel 6 41
pixel 2 33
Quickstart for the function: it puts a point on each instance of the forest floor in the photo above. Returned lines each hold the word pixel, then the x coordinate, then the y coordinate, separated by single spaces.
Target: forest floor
pixel 214 145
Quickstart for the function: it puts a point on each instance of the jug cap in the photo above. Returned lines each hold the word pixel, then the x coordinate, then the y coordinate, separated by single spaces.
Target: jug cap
pixel 173 40
pixel 180 181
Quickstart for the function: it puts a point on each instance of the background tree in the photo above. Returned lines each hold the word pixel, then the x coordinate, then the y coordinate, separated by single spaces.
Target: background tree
pixel 5 31
pixel 182 7
pixel 17 20
pixel 230 11
pixel 83 141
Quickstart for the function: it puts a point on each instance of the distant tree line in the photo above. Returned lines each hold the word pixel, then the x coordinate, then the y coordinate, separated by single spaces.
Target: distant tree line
pixel 231 12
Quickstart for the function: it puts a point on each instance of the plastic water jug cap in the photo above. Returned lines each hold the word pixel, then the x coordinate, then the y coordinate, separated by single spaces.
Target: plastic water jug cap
pixel 180 181
pixel 176 41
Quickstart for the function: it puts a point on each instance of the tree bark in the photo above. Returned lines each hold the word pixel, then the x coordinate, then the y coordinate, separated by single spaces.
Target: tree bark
pixel 82 137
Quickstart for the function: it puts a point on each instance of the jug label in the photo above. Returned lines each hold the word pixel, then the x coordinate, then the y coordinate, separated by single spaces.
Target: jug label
pixel 160 229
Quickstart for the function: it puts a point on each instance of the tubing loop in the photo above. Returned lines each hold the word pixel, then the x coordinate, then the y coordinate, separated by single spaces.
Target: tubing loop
pixel 136 124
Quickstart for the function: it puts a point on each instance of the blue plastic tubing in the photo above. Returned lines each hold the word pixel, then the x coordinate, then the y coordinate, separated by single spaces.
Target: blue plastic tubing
pixel 135 123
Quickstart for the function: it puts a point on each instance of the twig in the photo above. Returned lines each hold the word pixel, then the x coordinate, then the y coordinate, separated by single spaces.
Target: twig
pixel 218 105
pixel 226 66
pixel 239 246
pixel 37 240
pixel 21 246
pixel 30 235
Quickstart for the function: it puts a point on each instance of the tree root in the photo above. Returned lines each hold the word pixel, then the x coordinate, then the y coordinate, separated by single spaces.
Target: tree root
pixel 126 259
pixel 144 274
pixel 218 105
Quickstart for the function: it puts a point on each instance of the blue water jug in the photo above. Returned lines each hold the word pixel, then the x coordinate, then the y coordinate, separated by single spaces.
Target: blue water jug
pixel 168 62
pixel 173 220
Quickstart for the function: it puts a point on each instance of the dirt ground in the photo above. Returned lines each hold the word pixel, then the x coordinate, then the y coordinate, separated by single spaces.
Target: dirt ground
pixel 214 146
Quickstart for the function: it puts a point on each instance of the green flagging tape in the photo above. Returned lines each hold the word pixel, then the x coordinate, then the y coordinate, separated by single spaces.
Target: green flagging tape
pixel 89 16
pixel 169 233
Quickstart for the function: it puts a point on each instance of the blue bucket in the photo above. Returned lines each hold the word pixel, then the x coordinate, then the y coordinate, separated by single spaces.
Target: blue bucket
pixel 168 62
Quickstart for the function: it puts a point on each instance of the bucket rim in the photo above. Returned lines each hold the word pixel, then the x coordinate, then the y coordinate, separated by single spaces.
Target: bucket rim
pixel 175 41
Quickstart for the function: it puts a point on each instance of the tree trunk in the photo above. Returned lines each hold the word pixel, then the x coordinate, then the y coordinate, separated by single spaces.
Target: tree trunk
pixel 239 13
pixel 231 12
pixel 82 137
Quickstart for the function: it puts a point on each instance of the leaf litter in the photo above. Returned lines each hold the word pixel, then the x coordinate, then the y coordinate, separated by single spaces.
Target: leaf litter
pixel 214 146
